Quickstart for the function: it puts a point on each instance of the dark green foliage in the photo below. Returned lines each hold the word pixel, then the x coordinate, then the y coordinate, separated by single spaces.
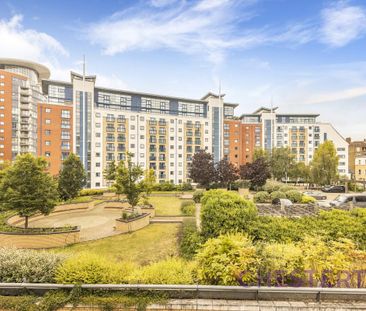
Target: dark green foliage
pixel 226 172
pixel 27 188
pixel 223 211
pixel 257 172
pixel 202 169
pixel 110 172
pixel 165 186
pixel 189 239
pixel 197 196
pixel 186 186
pixel 71 178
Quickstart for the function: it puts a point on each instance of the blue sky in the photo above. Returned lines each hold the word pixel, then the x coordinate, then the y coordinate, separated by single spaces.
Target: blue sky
pixel 303 55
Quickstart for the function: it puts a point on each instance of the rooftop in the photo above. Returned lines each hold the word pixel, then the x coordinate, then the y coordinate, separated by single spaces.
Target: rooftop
pixel 43 71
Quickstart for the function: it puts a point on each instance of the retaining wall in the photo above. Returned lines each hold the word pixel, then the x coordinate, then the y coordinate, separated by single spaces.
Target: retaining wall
pixel 125 226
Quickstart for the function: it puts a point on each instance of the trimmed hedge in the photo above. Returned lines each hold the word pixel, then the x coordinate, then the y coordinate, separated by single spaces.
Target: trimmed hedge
pixel 262 197
pixel 294 196
pixel 197 195
pixel 307 199
pixel 188 207
pixel 278 195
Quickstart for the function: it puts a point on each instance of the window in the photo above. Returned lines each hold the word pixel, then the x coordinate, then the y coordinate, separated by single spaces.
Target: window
pixel 47 154
pixel 2 84
pixel 48 143
pixel 65 114
pixel 48 121
pixel 48 110
pixel 65 124
pixel 65 135
pixel 47 132
pixel 97 114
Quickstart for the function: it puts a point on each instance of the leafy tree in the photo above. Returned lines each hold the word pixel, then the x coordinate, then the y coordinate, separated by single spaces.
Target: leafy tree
pixel 226 172
pixel 324 167
pixel 110 172
pixel 257 172
pixel 281 162
pixel 129 180
pixel 71 178
pixel 27 188
pixel 202 169
pixel 149 181
pixel 226 260
pixel 300 171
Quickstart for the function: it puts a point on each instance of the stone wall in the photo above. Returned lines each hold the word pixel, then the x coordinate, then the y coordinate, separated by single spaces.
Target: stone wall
pixel 125 226
pixel 39 240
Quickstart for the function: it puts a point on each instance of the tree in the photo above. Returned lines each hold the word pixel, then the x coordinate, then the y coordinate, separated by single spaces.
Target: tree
pixel 128 181
pixel 71 178
pixel 27 188
pixel 261 153
pixel 110 172
pixel 324 167
pixel 202 169
pixel 226 172
pixel 281 162
pixel 300 172
pixel 257 172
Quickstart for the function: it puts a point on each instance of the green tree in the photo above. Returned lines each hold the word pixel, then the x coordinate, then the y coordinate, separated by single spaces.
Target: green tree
pixel 72 177
pixel 281 162
pixel 28 188
pixel 129 181
pixel 110 172
pixel 300 172
pixel 324 167
pixel 149 181
pixel 261 153
pixel 202 169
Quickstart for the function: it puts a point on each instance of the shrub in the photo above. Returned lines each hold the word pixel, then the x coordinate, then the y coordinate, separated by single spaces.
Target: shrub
pixel 278 195
pixel 272 185
pixel 187 207
pixel 305 199
pixel 225 211
pixel 294 195
pixel 286 188
pixel 185 187
pixel 92 269
pixel 17 266
pixel 164 186
pixel 169 271
pixel 240 184
pixel 262 197
pixel 189 239
pixel 197 196
pixel 223 259
pixel 87 192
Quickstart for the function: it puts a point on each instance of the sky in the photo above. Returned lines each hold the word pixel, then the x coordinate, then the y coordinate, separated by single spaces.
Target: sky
pixel 304 56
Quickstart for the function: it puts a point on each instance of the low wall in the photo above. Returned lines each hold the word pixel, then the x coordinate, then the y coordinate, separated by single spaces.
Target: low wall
pixel 125 226
pixel 115 204
pixel 39 240
pixel 146 210
pixel 18 221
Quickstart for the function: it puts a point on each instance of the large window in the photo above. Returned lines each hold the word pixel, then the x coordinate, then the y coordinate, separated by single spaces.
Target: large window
pixel 114 101
pixel 190 109
pixel 155 105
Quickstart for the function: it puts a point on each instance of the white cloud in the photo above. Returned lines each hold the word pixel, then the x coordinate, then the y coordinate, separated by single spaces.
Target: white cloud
pixel 19 42
pixel 342 24
pixel 162 3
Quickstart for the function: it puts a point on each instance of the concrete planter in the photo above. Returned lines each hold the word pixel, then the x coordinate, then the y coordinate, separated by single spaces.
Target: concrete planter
pixel 131 225
pixel 148 210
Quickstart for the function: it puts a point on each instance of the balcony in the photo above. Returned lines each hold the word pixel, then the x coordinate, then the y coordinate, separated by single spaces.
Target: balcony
pixel 189 142
pixel 152 158
pixel 121 139
pixel 121 129
pixel 162 123
pixel 121 120
pixel 110 119
pixel 110 129
pixel 110 139
pixel 152 122
pixel 162 149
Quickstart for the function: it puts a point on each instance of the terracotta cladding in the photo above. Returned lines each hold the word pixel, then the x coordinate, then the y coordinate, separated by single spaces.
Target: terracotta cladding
pixel 241 139
pixel 50 134
pixel 6 135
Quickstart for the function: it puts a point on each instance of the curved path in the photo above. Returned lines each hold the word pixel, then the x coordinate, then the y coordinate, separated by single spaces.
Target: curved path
pixel 94 223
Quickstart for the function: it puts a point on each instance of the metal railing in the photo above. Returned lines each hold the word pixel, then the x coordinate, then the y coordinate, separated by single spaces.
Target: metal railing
pixel 204 291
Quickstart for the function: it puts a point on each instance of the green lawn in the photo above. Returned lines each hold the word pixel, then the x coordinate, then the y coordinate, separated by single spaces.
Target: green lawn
pixel 166 206
pixel 155 242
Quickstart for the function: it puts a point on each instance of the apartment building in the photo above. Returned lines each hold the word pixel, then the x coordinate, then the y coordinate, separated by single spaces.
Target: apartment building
pixel 53 118
pixel 266 128
pixel 355 149
pixel 360 168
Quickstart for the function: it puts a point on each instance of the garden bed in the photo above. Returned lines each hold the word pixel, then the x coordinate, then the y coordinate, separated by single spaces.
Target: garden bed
pixel 130 225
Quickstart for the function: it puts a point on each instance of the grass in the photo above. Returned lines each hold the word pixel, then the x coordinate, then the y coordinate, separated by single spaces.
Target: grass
pixel 153 243
pixel 166 206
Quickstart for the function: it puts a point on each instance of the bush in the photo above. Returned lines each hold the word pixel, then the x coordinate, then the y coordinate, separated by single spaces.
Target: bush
pixel 189 239
pixel 286 188
pixel 188 207
pixel 87 192
pixel 221 260
pixel 236 185
pixel 169 271
pixel 224 211
pixel 272 185
pixel 294 196
pixel 185 187
pixel 262 197
pixel 164 186
pixel 92 269
pixel 305 199
pixel 197 196
pixel 278 195
pixel 18 266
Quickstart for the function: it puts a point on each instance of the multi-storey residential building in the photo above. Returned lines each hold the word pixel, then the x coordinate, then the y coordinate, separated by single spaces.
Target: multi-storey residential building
pixel 360 168
pixel 53 118
pixel 302 133
pixel 355 149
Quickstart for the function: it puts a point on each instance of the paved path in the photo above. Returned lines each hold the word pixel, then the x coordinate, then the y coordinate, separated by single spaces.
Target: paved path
pixel 94 223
